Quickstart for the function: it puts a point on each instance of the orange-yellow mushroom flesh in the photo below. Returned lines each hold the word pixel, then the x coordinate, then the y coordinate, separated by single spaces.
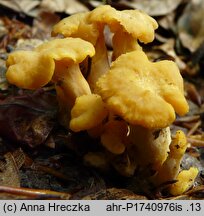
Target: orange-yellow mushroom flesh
pixel 151 146
pixel 139 91
pixel 134 24
pixel 77 26
pixel 87 112
pixel 185 180
pixel 29 69
pixel 114 136
pixel 170 168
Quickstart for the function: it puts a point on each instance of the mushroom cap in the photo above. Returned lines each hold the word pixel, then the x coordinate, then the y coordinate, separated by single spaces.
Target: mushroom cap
pixel 67 49
pixel 77 26
pixel 141 92
pixel 34 69
pixel 87 112
pixel 135 22
pixel 29 69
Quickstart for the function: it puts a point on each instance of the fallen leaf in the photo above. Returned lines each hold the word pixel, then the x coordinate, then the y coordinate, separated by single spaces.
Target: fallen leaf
pixel 42 25
pixel 191 25
pixel 25 6
pixel 154 7
pixel 3 81
pixel 168 49
pixel 168 21
pixel 15 30
pixel 114 194
pixel 27 44
pixel 3 30
pixel 9 168
pixel 69 7
pixel 29 118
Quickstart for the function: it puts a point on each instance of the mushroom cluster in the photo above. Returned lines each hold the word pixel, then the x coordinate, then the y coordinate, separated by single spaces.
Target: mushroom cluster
pixel 127 102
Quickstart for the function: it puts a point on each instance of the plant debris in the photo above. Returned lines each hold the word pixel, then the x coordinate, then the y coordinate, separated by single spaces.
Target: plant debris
pixel 9 167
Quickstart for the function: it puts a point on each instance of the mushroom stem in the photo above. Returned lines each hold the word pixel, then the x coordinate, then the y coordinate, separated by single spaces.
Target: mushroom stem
pixel 114 136
pixel 123 42
pixel 71 81
pixel 100 63
pixel 151 146
pixel 70 84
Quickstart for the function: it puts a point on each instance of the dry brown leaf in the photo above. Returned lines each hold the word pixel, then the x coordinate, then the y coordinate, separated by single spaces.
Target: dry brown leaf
pixel 114 194
pixel 9 175
pixel 168 21
pixel 191 25
pixel 28 118
pixel 69 7
pixel 168 49
pixel 25 6
pixel 3 81
pixel 154 7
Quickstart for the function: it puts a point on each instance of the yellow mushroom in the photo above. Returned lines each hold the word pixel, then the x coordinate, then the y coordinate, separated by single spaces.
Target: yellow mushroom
pixel 60 59
pixel 151 146
pixel 146 95
pixel 29 69
pixel 78 25
pixel 88 112
pixel 170 168
pixel 185 180
pixel 127 26
pixel 115 136
pixel 141 92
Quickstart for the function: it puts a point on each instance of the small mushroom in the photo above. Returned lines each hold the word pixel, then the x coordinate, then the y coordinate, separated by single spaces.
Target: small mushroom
pixel 170 168
pixel 77 26
pixel 127 26
pixel 65 55
pixel 88 112
pixel 185 180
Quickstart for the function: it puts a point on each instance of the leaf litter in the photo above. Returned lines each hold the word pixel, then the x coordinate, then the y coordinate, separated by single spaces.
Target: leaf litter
pixel 49 163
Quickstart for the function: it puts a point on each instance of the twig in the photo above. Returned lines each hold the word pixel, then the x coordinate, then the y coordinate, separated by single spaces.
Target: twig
pixel 187 119
pixel 195 142
pixel 34 193
pixel 194 128
pixel 52 171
